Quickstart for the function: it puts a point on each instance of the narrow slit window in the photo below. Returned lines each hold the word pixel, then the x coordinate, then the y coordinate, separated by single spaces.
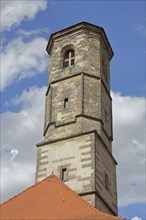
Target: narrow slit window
pixel 66 103
pixel 106 116
pixel 106 182
pixel 64 174
pixel 105 69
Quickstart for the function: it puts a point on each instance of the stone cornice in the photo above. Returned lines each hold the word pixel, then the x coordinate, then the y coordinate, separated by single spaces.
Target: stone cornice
pixel 77 135
pixel 77 74
pixel 80 26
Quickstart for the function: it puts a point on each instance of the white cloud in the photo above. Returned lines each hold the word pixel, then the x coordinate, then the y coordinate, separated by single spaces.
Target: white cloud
pixel 37 32
pixel 142 29
pixel 129 147
pixel 136 218
pixel 14 153
pixel 20 133
pixel 13 12
pixel 21 59
pixel 22 130
pixel 16 177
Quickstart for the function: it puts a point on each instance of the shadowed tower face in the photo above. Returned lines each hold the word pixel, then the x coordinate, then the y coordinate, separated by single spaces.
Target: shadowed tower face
pixel 77 143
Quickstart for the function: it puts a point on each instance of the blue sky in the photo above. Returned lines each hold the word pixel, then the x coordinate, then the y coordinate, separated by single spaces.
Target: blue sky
pixel 25 29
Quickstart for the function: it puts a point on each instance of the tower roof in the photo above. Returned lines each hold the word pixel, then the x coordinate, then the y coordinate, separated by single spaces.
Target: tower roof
pixel 50 199
pixel 76 27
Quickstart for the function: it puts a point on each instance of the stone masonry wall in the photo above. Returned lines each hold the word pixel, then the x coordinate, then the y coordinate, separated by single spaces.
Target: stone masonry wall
pixel 83 93
pixel 106 111
pixel 87 55
pixel 105 164
pixel 70 89
pixel 70 140
pixel 92 94
pixel 76 154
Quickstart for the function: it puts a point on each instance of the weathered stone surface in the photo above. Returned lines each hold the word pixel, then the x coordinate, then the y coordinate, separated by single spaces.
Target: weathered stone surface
pixel 79 137
pixel 68 154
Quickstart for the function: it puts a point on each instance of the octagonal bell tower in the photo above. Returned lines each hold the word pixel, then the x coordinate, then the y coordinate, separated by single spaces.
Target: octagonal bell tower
pixel 77 143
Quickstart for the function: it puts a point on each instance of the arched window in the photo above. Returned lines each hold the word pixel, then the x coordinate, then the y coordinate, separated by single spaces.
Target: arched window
pixel 69 58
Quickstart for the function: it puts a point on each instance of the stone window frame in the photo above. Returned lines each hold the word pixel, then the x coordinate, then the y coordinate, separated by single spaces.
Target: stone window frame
pixel 66 103
pixel 69 58
pixel 61 173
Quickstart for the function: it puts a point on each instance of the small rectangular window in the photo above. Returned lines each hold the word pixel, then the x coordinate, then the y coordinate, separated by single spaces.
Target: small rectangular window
pixel 106 182
pixel 66 103
pixel 64 174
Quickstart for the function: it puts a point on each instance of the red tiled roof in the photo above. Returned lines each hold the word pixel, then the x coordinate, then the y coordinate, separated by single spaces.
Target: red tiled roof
pixel 50 199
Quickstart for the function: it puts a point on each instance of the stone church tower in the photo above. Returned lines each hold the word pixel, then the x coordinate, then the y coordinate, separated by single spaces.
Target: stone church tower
pixel 77 144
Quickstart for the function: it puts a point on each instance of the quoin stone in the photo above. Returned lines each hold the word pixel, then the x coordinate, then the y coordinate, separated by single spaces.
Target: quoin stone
pixel 77 145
